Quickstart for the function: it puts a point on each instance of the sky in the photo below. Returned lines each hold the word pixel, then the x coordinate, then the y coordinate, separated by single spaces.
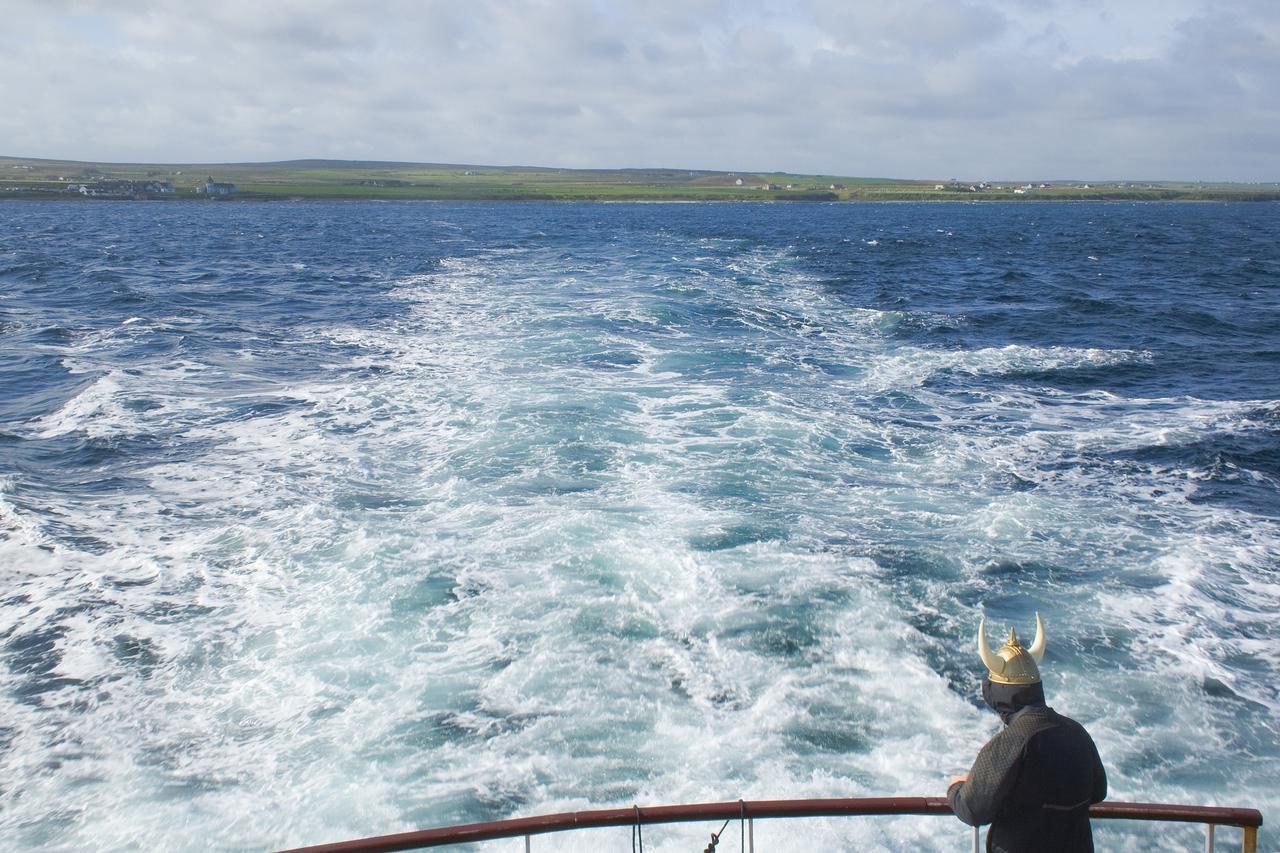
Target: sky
pixel 988 89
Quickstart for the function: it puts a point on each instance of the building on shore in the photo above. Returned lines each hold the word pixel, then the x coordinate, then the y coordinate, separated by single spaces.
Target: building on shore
pixel 121 188
pixel 212 187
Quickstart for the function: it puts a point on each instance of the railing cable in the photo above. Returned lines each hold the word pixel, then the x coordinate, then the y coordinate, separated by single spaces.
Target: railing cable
pixel 715 837
pixel 637 832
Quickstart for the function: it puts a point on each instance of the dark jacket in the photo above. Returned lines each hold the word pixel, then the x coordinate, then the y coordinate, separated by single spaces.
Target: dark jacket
pixel 1034 783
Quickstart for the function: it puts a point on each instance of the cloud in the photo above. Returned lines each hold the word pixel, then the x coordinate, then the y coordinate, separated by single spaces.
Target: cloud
pixel 1000 89
pixel 909 28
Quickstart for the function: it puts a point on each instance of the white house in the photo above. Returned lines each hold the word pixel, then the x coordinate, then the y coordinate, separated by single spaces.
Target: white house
pixel 212 187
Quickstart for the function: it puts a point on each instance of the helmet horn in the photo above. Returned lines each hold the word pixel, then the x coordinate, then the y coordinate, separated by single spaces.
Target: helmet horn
pixel 993 662
pixel 1037 646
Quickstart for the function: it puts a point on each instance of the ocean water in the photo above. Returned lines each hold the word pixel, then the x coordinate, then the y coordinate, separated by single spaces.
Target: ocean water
pixel 328 520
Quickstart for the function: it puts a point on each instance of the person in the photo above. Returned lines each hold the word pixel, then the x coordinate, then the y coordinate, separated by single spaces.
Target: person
pixel 1035 779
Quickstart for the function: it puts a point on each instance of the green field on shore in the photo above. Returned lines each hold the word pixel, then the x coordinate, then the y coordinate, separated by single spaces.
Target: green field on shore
pixel 346 179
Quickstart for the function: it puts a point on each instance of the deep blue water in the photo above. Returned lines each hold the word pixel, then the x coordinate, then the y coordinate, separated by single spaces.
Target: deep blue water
pixel 329 520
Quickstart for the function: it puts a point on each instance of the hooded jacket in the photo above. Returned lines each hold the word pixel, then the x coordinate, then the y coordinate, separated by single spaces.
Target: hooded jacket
pixel 1035 780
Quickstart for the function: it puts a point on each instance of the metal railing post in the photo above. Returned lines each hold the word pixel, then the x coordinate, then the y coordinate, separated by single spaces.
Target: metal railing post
pixel 1250 842
pixel 976 842
pixel 1208 839
pixel 751 835
pixel 526 844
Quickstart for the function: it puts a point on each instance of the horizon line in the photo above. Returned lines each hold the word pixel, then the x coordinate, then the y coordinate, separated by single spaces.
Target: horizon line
pixel 389 163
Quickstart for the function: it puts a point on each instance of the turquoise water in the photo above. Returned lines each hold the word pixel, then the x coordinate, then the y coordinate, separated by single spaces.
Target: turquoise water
pixel 329 520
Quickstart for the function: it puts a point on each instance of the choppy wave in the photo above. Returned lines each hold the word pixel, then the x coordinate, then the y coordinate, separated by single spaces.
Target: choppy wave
pixel 412 515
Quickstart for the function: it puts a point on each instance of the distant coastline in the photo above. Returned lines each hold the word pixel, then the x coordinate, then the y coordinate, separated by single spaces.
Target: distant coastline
pixel 347 180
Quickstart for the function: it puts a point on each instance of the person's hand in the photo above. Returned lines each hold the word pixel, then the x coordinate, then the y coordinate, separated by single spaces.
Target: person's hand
pixel 954 779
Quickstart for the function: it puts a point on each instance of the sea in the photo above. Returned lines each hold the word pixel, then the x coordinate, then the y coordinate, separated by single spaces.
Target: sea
pixel 328 520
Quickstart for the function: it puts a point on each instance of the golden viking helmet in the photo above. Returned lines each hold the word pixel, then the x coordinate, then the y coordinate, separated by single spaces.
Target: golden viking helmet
pixel 1012 664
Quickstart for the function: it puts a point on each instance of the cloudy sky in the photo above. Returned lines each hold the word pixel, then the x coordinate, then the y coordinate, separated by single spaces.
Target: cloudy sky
pixel 1000 89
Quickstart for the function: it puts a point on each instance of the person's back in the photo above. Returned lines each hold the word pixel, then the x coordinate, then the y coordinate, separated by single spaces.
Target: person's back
pixel 1035 780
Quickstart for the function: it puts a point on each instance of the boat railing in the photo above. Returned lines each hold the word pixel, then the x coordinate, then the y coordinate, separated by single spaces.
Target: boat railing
pixel 749 811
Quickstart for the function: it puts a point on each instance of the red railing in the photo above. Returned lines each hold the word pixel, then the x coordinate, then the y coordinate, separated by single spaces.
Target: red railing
pixel 1248 819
